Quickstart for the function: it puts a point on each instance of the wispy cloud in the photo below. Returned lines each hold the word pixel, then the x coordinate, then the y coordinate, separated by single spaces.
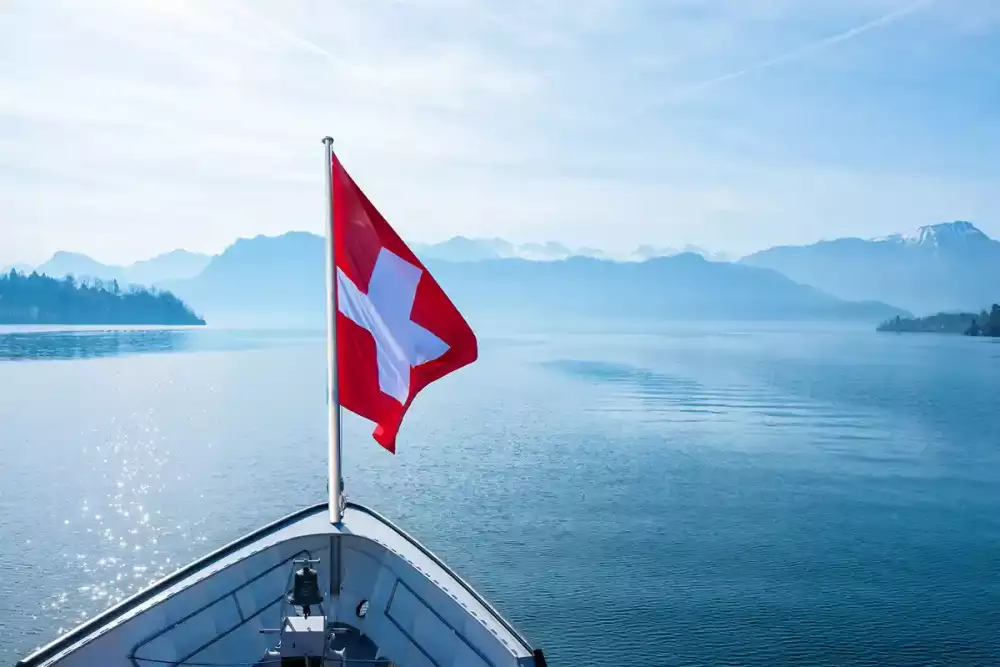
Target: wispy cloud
pixel 881 21
pixel 129 127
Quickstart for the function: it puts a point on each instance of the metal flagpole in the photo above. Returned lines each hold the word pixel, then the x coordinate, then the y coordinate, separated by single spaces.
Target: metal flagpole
pixel 333 396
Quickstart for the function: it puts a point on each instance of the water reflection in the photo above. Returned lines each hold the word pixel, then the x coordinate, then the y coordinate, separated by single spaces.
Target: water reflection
pixel 91 343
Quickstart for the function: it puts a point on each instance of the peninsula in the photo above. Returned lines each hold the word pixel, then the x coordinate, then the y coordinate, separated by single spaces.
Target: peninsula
pixel 39 299
pixel 970 324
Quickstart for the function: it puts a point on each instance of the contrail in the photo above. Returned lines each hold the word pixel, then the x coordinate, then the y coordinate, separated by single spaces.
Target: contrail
pixel 796 54
pixel 284 33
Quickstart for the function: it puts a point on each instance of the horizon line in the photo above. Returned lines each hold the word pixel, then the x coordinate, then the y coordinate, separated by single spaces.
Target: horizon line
pixel 578 251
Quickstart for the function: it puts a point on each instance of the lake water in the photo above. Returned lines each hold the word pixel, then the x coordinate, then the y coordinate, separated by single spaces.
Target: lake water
pixel 733 495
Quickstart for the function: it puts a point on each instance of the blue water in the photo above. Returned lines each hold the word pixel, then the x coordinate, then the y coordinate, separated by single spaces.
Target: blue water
pixel 732 495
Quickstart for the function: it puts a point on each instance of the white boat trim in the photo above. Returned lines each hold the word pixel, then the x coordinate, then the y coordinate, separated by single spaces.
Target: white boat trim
pixel 378 529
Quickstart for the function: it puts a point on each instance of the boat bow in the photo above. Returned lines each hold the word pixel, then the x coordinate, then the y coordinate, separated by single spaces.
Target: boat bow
pixel 387 600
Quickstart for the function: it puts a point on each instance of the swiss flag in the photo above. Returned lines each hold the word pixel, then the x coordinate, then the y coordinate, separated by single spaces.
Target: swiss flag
pixel 397 331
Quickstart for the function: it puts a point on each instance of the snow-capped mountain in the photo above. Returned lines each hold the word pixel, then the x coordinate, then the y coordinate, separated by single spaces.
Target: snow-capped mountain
pixel 945 234
pixel 950 234
pixel 943 267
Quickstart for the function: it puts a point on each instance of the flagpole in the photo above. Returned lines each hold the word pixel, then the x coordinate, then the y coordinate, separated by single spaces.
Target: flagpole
pixel 333 395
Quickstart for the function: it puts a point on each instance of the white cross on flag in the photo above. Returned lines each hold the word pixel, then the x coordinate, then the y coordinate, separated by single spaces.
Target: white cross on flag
pixel 397 331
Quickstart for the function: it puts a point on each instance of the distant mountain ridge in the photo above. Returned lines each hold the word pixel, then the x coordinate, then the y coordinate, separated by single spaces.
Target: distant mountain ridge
pixel 261 280
pixel 20 268
pixel 945 234
pixel 945 267
pixel 281 280
pixel 182 264
pixel 464 249
pixel 172 265
pixel 950 266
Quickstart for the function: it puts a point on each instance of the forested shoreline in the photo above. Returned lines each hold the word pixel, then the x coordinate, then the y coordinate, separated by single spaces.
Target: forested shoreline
pixel 40 299
pixel 986 323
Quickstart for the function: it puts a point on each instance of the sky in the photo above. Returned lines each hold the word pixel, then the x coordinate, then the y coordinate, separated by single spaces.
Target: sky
pixel 133 127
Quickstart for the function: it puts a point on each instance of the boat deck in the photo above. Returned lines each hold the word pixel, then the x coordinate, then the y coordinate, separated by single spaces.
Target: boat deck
pixel 348 646
pixel 385 594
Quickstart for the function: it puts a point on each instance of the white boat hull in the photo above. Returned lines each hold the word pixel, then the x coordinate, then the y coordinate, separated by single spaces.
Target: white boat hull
pixel 402 604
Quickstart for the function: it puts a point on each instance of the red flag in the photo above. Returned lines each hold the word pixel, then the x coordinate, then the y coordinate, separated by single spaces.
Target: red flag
pixel 397 331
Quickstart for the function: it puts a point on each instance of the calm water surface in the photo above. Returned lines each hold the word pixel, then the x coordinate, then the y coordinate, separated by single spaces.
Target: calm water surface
pixel 692 496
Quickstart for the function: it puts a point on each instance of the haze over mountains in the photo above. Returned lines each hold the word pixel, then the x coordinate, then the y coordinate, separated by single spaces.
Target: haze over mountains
pixel 275 280
pixel 167 266
pixel 180 264
pixel 950 266
pixel 281 279
pixel 463 249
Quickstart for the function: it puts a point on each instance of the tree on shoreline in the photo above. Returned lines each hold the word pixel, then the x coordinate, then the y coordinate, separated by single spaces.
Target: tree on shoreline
pixel 987 324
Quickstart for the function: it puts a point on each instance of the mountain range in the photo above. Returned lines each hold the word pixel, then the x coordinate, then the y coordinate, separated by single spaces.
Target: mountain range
pixel 944 267
pixel 281 279
pixel 167 266
pixel 950 266
pixel 180 264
